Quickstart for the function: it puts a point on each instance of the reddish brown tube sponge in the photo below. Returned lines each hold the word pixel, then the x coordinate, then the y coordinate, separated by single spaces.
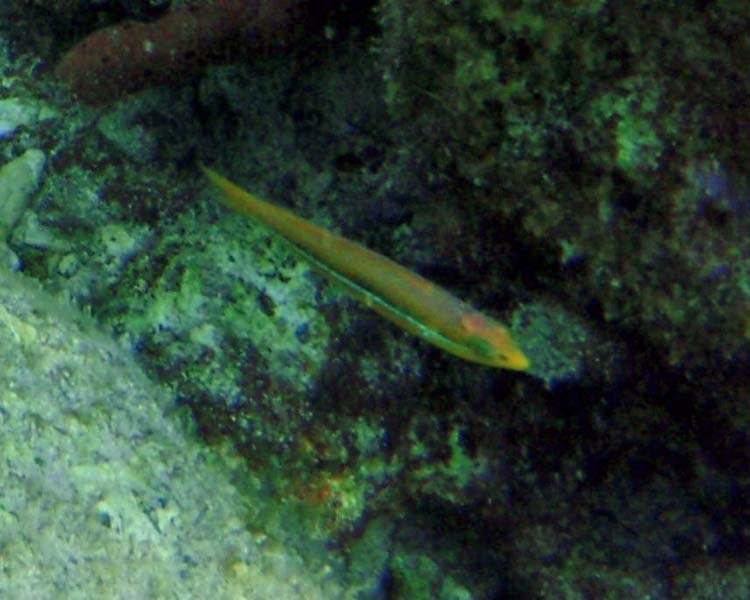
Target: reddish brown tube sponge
pixel 131 55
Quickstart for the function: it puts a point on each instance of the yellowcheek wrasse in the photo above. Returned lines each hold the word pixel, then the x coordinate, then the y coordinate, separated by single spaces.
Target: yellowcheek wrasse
pixel 396 293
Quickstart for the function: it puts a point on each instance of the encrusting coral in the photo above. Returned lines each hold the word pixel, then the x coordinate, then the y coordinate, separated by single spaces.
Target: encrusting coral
pixel 130 56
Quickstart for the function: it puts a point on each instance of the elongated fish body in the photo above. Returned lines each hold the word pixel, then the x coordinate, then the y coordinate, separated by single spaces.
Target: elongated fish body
pixel 398 294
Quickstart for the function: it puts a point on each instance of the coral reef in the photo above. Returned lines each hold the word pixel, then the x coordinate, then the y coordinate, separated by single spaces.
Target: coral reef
pixel 573 120
pixel 577 168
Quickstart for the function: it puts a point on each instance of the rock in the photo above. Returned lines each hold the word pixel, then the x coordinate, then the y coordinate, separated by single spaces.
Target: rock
pixel 15 113
pixel 19 180
pixel 98 471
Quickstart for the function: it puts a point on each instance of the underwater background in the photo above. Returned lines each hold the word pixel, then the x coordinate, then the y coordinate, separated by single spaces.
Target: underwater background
pixel 190 410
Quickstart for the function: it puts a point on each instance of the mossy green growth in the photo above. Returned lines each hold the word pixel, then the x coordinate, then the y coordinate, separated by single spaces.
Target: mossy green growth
pixel 580 123
pixel 638 145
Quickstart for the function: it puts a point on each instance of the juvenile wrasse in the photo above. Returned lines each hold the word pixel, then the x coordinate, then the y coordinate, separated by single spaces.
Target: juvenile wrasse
pixel 396 293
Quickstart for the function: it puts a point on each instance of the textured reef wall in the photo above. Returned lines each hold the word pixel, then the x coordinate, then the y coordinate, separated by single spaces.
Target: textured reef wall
pixel 95 473
pixel 611 133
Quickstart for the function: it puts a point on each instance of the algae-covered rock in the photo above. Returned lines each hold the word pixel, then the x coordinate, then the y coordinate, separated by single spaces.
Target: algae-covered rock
pixel 609 134
pixel 95 474
pixel 18 180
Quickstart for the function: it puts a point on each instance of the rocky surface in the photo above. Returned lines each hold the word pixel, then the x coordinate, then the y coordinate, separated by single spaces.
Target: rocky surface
pixel 575 169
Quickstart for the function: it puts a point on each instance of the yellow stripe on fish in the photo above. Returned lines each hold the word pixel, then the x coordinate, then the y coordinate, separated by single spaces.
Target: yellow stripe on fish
pixel 396 293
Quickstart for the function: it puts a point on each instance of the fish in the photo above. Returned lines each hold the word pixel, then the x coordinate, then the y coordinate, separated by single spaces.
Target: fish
pixel 401 296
